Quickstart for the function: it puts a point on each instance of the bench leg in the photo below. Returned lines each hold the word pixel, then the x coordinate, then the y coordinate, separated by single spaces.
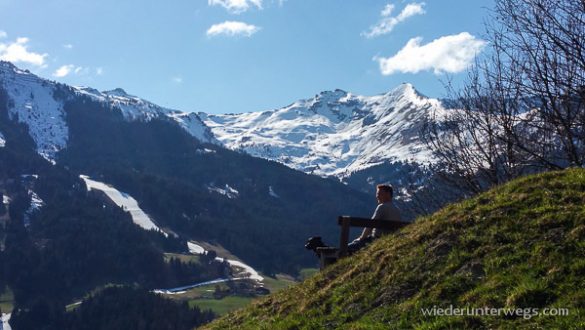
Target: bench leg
pixel 326 261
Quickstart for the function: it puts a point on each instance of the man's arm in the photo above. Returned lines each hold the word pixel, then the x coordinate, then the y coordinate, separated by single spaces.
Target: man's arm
pixel 368 231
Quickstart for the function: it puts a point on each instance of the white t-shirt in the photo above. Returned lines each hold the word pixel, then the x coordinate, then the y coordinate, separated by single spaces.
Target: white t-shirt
pixel 385 211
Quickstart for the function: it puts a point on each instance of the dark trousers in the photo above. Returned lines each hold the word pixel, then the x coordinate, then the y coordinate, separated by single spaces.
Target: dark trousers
pixel 356 245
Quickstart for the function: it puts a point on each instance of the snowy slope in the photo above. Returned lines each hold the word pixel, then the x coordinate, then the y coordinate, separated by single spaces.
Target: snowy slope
pixel 226 190
pixel 2 140
pixel 135 108
pixel 240 269
pixel 126 202
pixel 33 104
pixel 334 133
pixel 35 205
pixel 139 217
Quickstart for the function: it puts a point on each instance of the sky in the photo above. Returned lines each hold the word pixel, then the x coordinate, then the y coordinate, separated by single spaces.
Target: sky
pixel 232 56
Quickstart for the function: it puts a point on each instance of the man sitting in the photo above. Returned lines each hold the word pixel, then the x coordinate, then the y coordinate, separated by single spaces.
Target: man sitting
pixel 384 211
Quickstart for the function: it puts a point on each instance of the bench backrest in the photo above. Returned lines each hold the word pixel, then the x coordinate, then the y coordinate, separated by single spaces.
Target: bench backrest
pixel 346 222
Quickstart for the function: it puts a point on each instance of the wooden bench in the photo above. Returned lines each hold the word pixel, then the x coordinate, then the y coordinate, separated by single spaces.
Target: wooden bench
pixel 329 255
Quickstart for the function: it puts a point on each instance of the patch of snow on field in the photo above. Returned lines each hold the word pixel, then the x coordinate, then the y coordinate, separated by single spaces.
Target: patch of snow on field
pixel 125 201
pixel 227 191
pixel 248 272
pixel 205 151
pixel 272 193
pixel 245 273
pixel 195 249
pixel 35 204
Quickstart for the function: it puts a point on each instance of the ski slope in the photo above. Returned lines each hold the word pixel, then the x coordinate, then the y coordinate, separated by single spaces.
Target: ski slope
pixel 125 201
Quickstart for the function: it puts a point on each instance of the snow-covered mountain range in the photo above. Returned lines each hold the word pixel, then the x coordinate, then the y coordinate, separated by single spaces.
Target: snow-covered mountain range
pixel 334 133
pixel 169 161
pixel 173 172
pixel 35 103
pixel 135 108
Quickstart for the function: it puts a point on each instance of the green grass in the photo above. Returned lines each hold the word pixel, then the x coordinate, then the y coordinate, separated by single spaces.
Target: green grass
pixel 93 292
pixel 221 306
pixel 205 292
pixel 7 301
pixel 518 245
pixel 306 273
pixel 203 296
pixel 182 257
pixel 278 283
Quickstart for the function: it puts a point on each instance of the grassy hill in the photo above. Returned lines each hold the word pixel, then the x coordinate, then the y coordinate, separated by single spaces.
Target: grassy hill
pixel 520 245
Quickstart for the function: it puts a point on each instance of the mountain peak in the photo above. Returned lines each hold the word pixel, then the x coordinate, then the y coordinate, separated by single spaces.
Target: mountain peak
pixel 402 89
pixel 9 67
pixel 406 89
pixel 117 92
pixel 5 65
pixel 330 95
pixel 87 90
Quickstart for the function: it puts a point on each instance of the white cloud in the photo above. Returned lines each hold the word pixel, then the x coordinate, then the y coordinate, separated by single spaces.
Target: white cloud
pixel 177 80
pixel 387 23
pixel 68 69
pixel 236 6
pixel 232 28
pixel 17 52
pixel 99 71
pixel 82 70
pixel 452 54
pixel 68 46
pixel 3 34
pixel 387 11
pixel 64 70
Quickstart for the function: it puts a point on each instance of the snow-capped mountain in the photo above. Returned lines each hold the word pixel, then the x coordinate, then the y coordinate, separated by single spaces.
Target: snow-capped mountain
pixel 35 102
pixel 335 133
pixel 361 140
pixel 168 176
pixel 163 159
pixel 135 108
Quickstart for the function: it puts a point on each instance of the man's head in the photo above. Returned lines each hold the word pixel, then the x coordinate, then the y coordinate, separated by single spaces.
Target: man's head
pixel 384 193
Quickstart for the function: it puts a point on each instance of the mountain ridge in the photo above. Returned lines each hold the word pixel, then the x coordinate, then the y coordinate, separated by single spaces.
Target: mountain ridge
pixel 358 140
pixel 36 104
pixel 333 116
pixel 200 190
pixel 335 133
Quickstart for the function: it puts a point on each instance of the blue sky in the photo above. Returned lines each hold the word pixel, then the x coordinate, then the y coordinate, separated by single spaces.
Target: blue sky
pixel 222 56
